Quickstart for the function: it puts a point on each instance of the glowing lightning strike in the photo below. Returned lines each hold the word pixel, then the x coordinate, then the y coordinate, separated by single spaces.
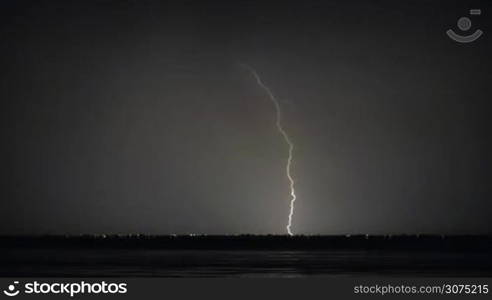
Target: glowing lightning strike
pixel 286 138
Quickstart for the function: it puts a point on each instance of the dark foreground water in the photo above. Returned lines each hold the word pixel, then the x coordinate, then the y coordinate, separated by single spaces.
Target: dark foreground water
pixel 245 256
pixel 238 263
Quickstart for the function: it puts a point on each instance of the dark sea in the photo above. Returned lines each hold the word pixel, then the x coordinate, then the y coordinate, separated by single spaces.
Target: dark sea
pixel 238 263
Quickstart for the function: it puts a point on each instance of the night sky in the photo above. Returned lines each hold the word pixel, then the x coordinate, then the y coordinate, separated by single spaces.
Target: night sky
pixel 136 117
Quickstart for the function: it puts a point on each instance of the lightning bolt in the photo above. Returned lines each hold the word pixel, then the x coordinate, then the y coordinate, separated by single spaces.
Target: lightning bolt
pixel 287 139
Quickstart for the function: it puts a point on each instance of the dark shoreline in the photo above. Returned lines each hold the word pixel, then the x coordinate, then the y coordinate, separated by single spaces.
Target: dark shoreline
pixel 462 243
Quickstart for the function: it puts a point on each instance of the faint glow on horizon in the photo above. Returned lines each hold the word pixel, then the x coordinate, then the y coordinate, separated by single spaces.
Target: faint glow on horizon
pixel 287 140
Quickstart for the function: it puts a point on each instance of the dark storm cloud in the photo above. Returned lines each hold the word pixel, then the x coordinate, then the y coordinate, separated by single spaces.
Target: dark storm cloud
pixel 126 116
